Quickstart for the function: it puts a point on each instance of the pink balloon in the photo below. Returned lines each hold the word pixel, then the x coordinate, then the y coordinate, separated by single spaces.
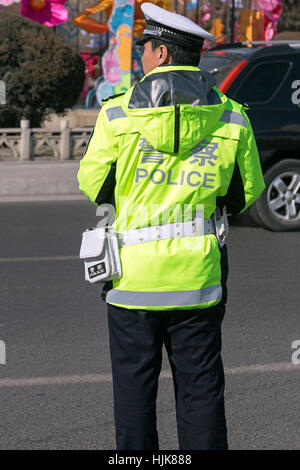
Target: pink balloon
pixel 52 14
pixel 269 5
pixel 111 67
pixel 270 31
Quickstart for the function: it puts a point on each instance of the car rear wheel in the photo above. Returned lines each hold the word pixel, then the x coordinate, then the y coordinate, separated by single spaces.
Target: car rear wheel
pixel 278 208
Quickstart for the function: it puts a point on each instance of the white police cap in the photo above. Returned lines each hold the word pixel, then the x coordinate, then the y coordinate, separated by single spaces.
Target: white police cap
pixel 171 27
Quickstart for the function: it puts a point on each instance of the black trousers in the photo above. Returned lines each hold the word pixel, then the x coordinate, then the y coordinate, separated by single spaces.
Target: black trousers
pixel 193 342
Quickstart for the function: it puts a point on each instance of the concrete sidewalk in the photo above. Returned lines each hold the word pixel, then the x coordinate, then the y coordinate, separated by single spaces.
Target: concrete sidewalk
pixel 39 180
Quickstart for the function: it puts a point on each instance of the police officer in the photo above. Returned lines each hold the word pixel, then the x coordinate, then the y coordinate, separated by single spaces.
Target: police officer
pixel 172 142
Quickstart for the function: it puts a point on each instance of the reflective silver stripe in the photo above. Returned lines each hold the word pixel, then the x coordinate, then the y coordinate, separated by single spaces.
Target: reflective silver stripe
pixel 115 113
pixel 233 118
pixel 165 299
pixel 167 231
pixel 151 31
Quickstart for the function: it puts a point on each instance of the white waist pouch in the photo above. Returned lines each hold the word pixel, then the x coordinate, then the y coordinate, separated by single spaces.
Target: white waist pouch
pixel 100 252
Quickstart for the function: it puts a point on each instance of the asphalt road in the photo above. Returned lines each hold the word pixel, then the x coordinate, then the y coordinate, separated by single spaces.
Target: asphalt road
pixel 56 390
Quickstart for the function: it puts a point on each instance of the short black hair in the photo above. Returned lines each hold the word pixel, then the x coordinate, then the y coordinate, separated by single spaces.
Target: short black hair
pixel 179 54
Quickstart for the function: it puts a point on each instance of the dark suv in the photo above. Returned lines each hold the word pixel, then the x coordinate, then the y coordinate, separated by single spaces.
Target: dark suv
pixel 266 77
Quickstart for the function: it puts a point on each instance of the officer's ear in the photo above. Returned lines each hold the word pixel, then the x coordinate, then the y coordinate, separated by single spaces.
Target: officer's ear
pixel 164 56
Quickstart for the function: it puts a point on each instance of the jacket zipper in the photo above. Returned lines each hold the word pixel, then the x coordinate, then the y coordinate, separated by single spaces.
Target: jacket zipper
pixel 177 124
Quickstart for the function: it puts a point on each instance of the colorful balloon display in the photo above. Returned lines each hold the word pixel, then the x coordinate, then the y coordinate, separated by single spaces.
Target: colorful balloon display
pixel 47 12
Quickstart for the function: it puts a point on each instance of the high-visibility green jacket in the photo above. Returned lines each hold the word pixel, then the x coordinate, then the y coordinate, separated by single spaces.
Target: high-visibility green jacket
pixel 171 140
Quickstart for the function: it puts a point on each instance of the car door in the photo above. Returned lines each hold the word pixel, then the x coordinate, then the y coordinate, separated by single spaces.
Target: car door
pixel 269 90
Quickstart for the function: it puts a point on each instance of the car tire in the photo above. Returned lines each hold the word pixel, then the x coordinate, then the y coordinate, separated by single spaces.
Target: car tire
pixel 278 208
pixel 255 215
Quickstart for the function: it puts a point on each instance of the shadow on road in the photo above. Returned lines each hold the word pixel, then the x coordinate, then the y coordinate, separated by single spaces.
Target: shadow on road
pixel 242 220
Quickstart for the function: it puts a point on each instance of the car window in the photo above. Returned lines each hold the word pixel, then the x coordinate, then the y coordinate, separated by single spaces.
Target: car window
pixel 262 82
pixel 219 66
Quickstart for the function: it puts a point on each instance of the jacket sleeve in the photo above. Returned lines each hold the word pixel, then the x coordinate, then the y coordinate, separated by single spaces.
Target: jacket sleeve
pixel 247 182
pixel 96 175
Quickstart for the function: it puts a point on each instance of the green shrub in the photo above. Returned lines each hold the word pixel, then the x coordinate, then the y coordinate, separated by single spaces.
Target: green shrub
pixel 42 74
pixel 289 18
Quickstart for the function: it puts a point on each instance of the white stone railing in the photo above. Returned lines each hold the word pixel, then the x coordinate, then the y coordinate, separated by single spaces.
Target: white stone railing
pixel 27 143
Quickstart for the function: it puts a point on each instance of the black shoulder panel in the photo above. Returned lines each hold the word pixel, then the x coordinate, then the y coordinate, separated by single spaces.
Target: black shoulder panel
pixel 106 193
pixel 234 199
pixel 174 87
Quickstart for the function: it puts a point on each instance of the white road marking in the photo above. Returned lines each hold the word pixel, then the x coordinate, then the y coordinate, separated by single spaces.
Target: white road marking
pixel 38 258
pixel 271 367
pixel 165 374
pixel 46 197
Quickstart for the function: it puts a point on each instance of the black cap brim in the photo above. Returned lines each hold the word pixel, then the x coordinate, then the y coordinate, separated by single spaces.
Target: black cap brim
pixel 143 40
pixel 170 40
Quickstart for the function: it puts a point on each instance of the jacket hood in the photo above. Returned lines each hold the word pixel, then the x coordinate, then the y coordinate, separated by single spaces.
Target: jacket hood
pixel 174 107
